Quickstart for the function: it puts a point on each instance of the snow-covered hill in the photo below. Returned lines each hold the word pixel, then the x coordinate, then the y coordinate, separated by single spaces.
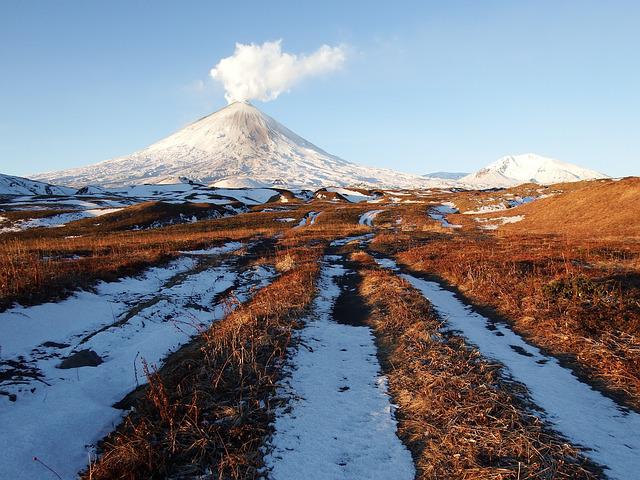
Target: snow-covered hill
pixel 10 185
pixel 235 146
pixel 516 169
pixel 446 175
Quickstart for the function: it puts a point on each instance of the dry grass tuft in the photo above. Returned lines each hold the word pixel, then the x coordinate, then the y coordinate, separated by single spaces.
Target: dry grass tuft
pixel 362 258
pixel 285 263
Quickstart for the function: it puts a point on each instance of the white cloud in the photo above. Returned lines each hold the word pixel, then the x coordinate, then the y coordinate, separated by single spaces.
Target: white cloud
pixel 263 72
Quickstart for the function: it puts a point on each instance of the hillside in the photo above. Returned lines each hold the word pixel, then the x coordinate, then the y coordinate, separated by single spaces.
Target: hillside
pixel 595 209
pixel 10 185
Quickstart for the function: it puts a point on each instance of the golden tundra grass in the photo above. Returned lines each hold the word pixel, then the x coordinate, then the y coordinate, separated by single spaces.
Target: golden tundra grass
pixel 457 415
pixel 574 298
pixel 207 411
pixel 46 264
pixel 39 265
pixel 603 209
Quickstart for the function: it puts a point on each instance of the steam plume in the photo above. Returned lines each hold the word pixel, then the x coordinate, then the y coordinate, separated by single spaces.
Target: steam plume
pixel 263 72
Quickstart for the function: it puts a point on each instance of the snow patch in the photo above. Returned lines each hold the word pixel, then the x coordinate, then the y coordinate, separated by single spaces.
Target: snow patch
pixel 351 195
pixel 227 248
pixel 59 220
pixel 248 196
pixel 494 223
pixel 309 219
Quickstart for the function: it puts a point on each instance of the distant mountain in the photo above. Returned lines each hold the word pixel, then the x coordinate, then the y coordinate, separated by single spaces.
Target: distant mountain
pixel 10 185
pixel 446 175
pixel 236 145
pixel 527 168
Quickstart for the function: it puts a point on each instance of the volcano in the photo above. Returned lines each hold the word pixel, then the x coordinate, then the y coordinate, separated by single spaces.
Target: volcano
pixel 237 146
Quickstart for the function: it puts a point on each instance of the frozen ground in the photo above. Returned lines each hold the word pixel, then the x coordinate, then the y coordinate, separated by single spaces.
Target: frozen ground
pixel 94 202
pixel 58 414
pixel 248 196
pixel 503 205
pixel 610 434
pixel 338 422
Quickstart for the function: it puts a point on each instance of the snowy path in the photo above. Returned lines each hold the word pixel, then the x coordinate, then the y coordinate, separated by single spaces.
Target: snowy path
pixel 308 219
pixel 585 416
pixel 439 213
pixel 59 416
pixel 367 217
pixel 338 423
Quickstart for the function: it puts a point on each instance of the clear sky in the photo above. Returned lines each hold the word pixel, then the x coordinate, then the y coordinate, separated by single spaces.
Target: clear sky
pixel 427 86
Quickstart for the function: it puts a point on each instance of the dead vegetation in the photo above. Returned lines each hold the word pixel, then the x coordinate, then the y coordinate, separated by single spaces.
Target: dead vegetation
pixel 460 418
pixel 572 289
pixel 207 411
pixel 577 300
pixel 604 209
pixel 149 214
pixel 46 264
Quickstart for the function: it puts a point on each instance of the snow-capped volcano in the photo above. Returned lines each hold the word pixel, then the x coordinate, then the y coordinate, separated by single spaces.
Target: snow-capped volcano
pixel 516 169
pixel 235 145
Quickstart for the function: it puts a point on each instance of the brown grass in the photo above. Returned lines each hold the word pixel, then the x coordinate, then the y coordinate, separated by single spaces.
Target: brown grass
pixel 208 410
pixel 578 300
pixel 473 200
pixel 39 265
pixel 147 214
pixel 599 209
pixel 458 416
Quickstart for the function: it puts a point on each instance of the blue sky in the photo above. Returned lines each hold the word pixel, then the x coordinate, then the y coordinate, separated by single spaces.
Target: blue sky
pixel 427 86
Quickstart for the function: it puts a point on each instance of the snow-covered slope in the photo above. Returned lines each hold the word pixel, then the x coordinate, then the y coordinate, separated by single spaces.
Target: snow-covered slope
pixel 516 169
pixel 237 142
pixel 446 175
pixel 10 185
